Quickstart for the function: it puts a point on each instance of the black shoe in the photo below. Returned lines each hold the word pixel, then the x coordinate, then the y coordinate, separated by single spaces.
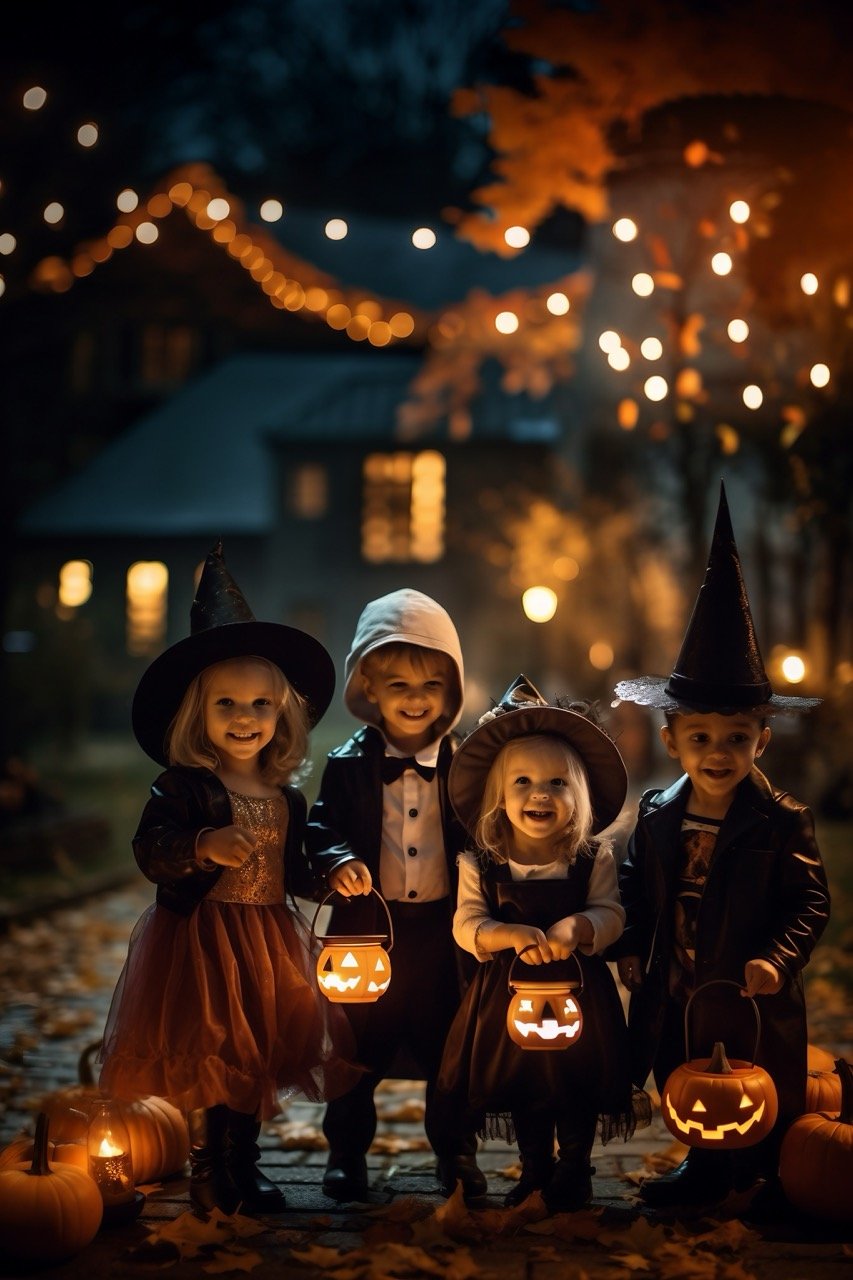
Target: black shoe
pixel 570 1188
pixel 462 1168
pixel 769 1205
pixel 257 1193
pixel 694 1181
pixel 346 1178
pixel 533 1178
pixel 211 1183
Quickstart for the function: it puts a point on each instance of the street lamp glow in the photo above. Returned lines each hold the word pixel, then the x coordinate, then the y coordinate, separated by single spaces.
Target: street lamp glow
pixel 651 348
pixel 336 229
pixel 819 375
pixel 625 229
pixel 739 211
pixel 558 304
pixel 721 264
pixel 808 282
pixel 738 330
pixel 753 396
pixel 539 603
pixel 517 237
pixel 506 322
pixel 423 238
pixel 643 284
pixel 655 387
pixel 793 668
pixel 609 340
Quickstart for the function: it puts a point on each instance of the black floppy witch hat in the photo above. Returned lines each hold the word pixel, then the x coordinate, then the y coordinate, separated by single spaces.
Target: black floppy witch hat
pixel 521 711
pixel 719 667
pixel 222 626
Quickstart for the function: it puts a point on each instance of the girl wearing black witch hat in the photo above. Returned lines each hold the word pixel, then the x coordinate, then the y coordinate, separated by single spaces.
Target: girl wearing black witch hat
pixel 723 884
pixel 217 1007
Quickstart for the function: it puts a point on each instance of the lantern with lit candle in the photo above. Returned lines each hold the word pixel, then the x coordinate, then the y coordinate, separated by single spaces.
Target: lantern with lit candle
pixel 544 1014
pixel 355 968
pixel 110 1164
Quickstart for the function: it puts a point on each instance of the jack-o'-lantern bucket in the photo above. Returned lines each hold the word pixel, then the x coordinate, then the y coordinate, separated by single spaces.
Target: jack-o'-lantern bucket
pixel 354 968
pixel 544 1014
pixel 719 1103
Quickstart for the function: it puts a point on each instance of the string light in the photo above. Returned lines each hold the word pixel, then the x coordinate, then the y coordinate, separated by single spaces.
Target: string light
pixel 336 229
pixel 643 284
pixel 721 264
pixel 558 304
pixel 423 238
pixel 739 211
pixel 54 213
pixel 87 134
pixel 35 98
pixel 738 330
pixel 506 322
pixel 625 229
pixel 651 348
pixel 8 243
pixel 127 200
pixel 819 375
pixel 753 396
pixel 808 282
pixel 271 211
pixel 517 237
pixel 618 359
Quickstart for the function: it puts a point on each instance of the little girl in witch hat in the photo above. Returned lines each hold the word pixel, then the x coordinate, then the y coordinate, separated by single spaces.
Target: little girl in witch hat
pixel 723 883
pixel 533 784
pixel 217 1007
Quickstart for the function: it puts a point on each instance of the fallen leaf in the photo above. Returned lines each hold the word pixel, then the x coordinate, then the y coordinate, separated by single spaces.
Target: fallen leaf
pixel 731 1235
pixel 392 1143
pixel 410 1111
pixel 296 1135
pixel 319 1255
pixel 232 1260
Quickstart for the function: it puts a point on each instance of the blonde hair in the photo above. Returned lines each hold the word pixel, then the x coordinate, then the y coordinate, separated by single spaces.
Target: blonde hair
pixel 280 761
pixel 422 659
pixel 493 831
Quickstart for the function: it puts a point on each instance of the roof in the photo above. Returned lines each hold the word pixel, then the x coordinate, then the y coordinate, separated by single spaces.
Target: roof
pixel 201 460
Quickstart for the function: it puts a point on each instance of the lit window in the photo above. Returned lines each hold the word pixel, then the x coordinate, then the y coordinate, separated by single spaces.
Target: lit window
pixel 403 508
pixel 308 496
pixel 147 592
pixel 75 583
pixel 167 355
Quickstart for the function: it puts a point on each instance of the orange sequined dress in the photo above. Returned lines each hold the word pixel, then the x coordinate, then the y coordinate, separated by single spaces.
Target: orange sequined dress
pixel 222 1006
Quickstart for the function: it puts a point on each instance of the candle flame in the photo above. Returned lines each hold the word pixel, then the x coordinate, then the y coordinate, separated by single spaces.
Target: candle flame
pixel 108 1148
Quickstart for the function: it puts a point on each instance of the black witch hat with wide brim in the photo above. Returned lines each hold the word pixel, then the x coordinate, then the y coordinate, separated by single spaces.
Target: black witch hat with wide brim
pixel 521 711
pixel 719 668
pixel 222 626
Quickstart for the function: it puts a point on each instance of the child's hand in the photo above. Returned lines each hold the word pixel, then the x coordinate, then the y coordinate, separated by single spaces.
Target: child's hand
pixel 226 846
pixel 524 935
pixel 630 972
pixel 351 878
pixel 566 935
pixel 761 978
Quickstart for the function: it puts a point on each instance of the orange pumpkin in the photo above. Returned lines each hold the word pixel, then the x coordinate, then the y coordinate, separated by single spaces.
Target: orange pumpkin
pixel 21 1151
pixel 544 1014
pixel 354 969
pixel 159 1140
pixel 823 1083
pixel 719 1103
pixel 47 1212
pixel 816 1159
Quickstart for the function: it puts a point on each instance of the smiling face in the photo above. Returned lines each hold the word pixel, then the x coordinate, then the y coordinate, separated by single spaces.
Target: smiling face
pixel 717 753
pixel 240 711
pixel 538 796
pixel 411 697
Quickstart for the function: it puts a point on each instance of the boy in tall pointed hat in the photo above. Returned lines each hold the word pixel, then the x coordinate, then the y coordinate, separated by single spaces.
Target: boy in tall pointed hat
pixel 724 889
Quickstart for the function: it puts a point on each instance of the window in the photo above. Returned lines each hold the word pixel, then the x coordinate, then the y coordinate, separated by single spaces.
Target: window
pixel 403 507
pixel 308 491
pixel 147 593
pixel 167 354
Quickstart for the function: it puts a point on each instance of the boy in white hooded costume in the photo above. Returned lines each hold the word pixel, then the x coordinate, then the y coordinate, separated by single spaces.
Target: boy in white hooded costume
pixel 382 819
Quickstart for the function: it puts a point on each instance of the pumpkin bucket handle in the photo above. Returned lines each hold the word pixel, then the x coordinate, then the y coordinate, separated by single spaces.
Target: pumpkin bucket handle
pixel 331 937
pixel 578 986
pixel 720 982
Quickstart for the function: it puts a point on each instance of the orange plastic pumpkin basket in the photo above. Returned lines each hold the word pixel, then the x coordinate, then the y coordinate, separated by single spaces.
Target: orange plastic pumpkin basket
pixel 543 1014
pixel 719 1103
pixel 354 968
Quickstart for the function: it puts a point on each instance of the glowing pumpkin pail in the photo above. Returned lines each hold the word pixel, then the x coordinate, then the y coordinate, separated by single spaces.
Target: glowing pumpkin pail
pixel 543 1014
pixel 354 968
pixel 719 1103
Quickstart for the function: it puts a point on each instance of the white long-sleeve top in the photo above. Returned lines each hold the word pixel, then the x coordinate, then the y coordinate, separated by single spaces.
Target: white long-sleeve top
pixel 603 908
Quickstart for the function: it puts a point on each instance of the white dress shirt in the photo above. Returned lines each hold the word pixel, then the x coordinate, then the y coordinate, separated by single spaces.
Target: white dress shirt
pixel 412 859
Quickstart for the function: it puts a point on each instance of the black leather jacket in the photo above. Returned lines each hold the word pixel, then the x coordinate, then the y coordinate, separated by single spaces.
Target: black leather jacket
pixel 184 801
pixel 765 897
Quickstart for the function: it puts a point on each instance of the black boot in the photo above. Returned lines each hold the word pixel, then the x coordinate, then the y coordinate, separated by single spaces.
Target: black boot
pixel 534 1131
pixel 705 1177
pixel 211 1184
pixel 570 1187
pixel 257 1193
pixel 462 1167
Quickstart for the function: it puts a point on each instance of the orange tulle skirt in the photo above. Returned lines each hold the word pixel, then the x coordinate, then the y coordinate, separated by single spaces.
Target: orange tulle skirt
pixel 222 1006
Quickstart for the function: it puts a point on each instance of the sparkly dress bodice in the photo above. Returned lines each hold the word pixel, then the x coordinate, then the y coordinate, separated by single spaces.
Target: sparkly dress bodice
pixel 260 880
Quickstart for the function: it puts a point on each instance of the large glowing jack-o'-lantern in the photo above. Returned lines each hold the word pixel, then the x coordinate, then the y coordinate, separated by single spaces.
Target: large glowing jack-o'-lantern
pixel 719 1103
pixel 355 968
pixel 542 1014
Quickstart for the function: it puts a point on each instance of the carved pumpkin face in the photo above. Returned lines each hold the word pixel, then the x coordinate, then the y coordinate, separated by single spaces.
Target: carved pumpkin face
pixel 353 970
pixel 721 1103
pixel 544 1015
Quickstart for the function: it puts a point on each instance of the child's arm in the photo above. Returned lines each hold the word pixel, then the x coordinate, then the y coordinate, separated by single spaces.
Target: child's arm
pixel 327 840
pixel 478 932
pixel 602 919
pixel 173 825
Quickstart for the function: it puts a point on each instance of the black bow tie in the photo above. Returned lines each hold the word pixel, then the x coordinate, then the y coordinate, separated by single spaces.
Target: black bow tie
pixel 394 766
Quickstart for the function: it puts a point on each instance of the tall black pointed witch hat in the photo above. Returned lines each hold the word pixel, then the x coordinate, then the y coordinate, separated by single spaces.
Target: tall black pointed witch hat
pixel 719 667
pixel 222 626
pixel 521 711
